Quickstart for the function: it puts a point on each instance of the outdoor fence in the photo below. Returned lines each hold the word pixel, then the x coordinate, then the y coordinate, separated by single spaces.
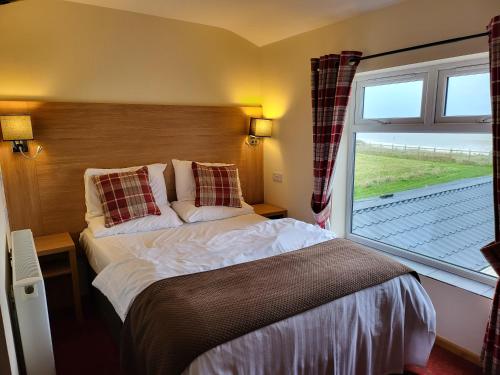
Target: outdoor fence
pixel 426 153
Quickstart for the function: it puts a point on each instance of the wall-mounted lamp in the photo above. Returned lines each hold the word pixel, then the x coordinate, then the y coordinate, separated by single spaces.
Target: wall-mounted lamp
pixel 259 128
pixel 18 129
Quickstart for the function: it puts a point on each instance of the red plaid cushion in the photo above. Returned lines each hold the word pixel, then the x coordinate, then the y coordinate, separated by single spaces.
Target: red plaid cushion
pixel 125 196
pixel 216 186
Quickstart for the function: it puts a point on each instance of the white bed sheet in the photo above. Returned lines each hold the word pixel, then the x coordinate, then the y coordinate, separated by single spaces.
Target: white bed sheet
pixel 106 250
pixel 374 331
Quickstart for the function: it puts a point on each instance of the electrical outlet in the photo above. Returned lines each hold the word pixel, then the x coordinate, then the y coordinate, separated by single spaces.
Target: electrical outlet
pixel 278 177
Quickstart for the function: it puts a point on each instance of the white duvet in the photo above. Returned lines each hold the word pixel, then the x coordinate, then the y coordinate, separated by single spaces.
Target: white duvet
pixel 375 331
pixel 175 252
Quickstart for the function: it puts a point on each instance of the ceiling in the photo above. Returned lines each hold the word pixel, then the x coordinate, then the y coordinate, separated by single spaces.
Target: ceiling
pixel 259 21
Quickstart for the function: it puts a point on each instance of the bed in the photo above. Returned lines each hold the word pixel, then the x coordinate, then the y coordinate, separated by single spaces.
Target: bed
pixel 377 330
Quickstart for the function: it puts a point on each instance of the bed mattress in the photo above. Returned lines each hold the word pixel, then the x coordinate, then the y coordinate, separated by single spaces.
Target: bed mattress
pixel 377 330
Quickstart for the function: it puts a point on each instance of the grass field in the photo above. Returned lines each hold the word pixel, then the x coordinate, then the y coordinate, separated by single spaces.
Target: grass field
pixel 377 174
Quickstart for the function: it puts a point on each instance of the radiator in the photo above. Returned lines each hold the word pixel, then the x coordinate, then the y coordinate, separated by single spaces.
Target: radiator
pixel 31 306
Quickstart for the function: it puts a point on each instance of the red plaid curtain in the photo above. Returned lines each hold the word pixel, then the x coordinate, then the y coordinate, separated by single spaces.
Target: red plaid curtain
pixel 491 347
pixel 331 80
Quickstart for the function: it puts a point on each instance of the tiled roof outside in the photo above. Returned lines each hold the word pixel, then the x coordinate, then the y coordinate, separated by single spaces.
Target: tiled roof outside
pixel 449 222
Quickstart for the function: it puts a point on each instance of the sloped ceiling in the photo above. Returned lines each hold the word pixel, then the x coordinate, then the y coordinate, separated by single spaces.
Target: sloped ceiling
pixel 259 21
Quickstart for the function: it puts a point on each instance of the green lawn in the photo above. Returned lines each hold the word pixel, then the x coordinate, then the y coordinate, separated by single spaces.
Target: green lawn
pixel 377 175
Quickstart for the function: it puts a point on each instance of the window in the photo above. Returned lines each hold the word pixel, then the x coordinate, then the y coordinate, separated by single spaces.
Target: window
pixel 464 95
pixel 393 100
pixel 423 190
pixel 468 95
pixel 396 99
pixel 428 194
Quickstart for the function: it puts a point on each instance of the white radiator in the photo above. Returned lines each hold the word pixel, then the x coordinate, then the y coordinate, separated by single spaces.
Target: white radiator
pixel 31 305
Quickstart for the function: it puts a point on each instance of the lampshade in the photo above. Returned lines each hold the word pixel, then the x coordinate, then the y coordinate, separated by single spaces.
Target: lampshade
pixel 16 128
pixel 261 127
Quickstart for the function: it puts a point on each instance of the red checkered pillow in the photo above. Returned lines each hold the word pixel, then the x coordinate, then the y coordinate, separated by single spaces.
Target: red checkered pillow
pixel 216 186
pixel 125 196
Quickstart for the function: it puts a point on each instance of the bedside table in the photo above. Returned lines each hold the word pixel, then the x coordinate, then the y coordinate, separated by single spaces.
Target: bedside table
pixel 50 248
pixel 270 211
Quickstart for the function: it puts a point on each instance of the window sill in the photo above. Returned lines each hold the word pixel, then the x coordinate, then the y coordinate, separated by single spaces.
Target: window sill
pixel 472 286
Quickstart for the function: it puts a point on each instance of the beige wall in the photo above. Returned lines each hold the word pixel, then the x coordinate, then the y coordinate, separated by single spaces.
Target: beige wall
pixel 286 96
pixel 51 49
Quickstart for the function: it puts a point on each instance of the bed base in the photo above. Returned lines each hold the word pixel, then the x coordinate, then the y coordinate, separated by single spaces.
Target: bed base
pixel 106 310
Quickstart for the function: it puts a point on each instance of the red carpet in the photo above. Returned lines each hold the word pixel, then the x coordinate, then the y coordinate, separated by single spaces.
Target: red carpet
pixel 443 362
pixel 89 349
pixel 83 349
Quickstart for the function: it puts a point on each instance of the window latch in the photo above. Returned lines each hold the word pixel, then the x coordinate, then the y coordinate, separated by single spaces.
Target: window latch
pixel 485 120
pixel 383 122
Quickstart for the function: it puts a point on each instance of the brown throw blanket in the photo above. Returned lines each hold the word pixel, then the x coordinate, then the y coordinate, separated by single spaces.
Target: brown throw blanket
pixel 175 320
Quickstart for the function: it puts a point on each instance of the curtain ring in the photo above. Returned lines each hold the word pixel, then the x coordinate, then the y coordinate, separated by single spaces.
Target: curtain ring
pixel 353 60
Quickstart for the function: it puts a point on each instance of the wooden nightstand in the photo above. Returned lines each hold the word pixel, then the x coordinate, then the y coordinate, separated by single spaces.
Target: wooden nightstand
pixel 52 249
pixel 269 211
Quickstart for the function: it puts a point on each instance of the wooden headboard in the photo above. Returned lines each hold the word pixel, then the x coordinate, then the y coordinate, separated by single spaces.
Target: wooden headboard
pixel 47 194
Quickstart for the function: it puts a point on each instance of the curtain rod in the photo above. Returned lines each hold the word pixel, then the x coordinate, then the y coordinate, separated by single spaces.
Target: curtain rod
pixel 446 41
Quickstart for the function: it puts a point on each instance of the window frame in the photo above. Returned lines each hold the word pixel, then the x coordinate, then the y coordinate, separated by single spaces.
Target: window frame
pixel 429 125
pixel 442 90
pixel 393 79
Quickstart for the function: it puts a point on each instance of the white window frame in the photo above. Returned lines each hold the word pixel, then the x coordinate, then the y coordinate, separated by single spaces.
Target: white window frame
pixel 429 125
pixel 442 89
pixel 410 77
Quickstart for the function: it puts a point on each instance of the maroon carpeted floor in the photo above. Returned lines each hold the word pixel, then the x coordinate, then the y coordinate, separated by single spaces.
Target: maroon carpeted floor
pixel 443 362
pixel 83 349
pixel 89 349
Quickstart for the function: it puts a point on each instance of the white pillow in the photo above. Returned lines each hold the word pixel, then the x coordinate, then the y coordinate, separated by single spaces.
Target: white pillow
pixel 191 214
pixel 92 201
pixel 185 186
pixel 167 219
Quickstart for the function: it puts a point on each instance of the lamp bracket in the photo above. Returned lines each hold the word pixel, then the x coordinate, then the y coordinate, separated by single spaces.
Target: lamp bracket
pixel 20 146
pixel 252 140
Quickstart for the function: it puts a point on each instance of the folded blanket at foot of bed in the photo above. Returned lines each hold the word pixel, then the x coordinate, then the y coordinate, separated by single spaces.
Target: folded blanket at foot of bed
pixel 175 320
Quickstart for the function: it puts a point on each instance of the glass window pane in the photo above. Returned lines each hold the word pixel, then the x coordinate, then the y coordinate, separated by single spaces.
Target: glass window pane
pixel 429 194
pixel 393 100
pixel 468 95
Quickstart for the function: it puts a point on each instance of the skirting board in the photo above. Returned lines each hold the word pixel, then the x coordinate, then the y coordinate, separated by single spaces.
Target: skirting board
pixel 458 350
